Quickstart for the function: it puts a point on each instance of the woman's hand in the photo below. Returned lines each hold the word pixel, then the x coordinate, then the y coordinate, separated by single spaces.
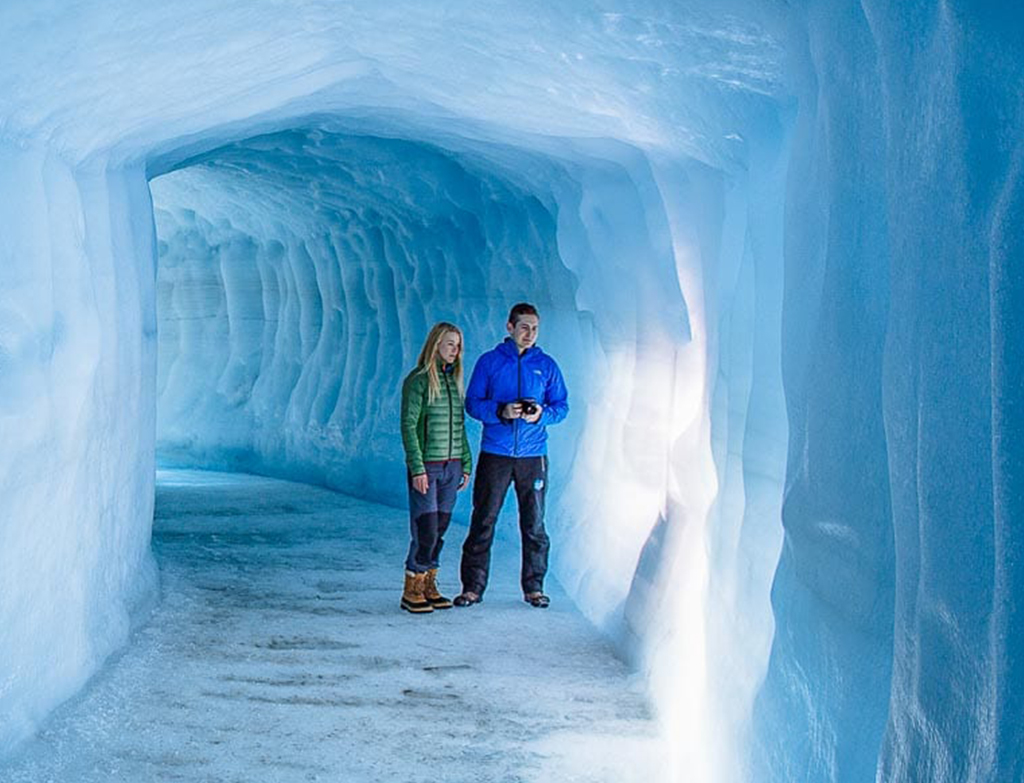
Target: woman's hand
pixel 420 483
pixel 464 482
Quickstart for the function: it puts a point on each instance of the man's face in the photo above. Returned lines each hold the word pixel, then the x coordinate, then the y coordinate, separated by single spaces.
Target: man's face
pixel 524 331
pixel 449 347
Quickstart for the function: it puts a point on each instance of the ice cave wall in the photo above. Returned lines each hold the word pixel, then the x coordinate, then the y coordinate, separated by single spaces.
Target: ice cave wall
pixel 77 367
pixel 896 654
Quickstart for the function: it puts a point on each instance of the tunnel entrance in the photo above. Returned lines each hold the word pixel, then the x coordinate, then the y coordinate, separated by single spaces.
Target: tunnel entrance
pixel 298 273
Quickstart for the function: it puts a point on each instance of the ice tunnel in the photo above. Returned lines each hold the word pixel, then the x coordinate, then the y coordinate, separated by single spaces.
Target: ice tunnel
pixel 777 250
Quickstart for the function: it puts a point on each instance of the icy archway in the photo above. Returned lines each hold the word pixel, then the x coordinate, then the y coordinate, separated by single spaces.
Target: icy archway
pixel 310 260
pixel 299 269
pixel 714 204
pixel 295 271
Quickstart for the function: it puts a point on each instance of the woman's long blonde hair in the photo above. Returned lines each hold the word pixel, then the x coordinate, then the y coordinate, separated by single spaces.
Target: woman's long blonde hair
pixel 427 363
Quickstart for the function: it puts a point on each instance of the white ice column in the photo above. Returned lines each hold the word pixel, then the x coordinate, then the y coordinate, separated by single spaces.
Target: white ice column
pixel 822 711
pixel 76 423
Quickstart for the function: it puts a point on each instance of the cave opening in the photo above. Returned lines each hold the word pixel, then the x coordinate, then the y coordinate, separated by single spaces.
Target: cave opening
pixel 298 273
pixel 298 270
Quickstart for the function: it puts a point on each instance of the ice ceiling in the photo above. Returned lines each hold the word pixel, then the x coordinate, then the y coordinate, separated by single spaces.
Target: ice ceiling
pixel 776 248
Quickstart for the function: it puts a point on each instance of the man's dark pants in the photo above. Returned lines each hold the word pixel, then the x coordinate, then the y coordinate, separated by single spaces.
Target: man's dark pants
pixel 494 474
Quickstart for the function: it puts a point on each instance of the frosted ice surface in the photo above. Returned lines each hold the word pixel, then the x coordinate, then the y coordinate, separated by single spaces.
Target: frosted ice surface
pixel 278 652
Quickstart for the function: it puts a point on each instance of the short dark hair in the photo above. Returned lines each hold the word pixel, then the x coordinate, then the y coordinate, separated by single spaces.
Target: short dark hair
pixel 519 310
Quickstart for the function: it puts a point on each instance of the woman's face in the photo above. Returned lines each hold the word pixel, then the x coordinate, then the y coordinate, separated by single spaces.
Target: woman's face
pixel 449 347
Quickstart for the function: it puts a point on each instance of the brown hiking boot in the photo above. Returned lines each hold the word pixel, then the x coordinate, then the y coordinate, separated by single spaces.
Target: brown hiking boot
pixel 413 599
pixel 430 591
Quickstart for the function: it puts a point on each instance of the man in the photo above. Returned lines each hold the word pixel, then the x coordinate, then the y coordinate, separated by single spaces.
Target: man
pixel 516 391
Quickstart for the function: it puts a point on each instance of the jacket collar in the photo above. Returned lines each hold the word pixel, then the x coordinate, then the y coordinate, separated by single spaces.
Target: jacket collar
pixel 508 346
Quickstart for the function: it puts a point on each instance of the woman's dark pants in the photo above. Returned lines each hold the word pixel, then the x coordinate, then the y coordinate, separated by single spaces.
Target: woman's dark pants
pixel 430 514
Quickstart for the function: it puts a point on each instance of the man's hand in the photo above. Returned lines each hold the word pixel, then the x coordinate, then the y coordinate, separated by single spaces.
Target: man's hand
pixel 512 410
pixel 534 417
pixel 464 482
pixel 420 483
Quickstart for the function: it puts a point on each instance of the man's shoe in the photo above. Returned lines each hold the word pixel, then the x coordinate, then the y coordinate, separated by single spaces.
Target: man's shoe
pixel 539 600
pixel 431 593
pixel 467 598
pixel 413 599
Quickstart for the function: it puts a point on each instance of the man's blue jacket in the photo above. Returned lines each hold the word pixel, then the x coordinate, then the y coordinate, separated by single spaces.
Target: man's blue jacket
pixel 503 375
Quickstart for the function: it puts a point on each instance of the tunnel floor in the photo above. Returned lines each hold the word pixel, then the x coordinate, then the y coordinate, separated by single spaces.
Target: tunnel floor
pixel 277 652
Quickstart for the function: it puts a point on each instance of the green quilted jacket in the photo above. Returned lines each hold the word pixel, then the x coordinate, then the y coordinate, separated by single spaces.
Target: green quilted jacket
pixel 436 431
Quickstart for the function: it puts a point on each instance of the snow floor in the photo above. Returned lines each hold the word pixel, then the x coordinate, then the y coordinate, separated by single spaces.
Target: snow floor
pixel 277 652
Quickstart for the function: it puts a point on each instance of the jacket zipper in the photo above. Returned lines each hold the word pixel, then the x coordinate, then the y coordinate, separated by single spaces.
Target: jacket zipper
pixel 519 396
pixel 451 416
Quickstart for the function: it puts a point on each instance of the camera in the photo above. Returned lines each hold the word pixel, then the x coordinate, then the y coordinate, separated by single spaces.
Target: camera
pixel 528 406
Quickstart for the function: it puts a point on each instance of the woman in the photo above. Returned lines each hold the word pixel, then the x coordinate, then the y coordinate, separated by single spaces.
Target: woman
pixel 438 458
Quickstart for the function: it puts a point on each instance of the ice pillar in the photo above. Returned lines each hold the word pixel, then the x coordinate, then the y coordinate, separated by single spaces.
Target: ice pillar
pixel 76 413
